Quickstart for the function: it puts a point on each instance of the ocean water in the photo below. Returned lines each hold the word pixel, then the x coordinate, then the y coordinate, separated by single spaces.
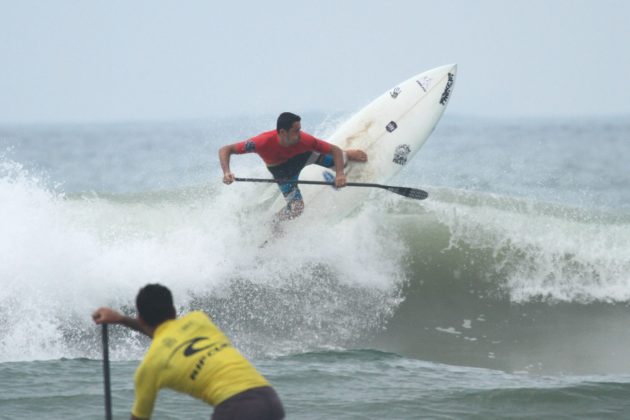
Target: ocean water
pixel 503 295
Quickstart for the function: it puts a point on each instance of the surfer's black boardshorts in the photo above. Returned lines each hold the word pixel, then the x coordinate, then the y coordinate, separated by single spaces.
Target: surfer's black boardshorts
pixel 254 404
pixel 290 171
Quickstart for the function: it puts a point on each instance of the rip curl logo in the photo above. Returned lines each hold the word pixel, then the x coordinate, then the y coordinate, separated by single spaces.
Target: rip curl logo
pixel 401 153
pixel 394 93
pixel 447 90
pixel 191 349
pixel 391 126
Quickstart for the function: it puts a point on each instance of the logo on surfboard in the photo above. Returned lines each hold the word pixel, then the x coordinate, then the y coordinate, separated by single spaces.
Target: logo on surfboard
pixel 394 93
pixel 401 153
pixel 391 126
pixel 447 90
pixel 424 83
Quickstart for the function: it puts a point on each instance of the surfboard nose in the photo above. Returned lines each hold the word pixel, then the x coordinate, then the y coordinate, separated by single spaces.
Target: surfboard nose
pixel 449 68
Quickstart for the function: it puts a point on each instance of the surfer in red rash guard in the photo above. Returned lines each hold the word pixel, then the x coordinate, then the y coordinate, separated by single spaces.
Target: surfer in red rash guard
pixel 286 151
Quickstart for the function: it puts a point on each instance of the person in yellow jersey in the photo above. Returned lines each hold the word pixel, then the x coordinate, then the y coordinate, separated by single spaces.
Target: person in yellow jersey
pixel 191 355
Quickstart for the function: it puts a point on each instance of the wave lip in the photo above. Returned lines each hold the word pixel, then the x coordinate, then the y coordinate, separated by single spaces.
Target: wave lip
pixel 538 251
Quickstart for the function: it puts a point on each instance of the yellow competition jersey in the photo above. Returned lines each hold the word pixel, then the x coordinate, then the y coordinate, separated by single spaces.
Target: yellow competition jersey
pixel 192 355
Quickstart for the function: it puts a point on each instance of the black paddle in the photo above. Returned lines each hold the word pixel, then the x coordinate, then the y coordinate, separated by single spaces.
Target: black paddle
pixel 108 391
pixel 404 191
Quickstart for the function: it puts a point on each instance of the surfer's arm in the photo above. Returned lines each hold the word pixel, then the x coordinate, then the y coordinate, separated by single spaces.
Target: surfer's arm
pixel 224 158
pixel 321 146
pixel 110 316
pixel 340 176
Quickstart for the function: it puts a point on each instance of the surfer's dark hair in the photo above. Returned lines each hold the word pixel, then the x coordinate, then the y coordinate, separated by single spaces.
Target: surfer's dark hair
pixel 155 304
pixel 286 120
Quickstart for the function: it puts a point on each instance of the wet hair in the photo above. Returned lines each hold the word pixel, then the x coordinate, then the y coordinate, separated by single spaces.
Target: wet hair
pixel 286 120
pixel 155 304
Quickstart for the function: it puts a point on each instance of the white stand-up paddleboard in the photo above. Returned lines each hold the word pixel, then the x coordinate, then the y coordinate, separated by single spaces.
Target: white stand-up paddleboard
pixel 391 130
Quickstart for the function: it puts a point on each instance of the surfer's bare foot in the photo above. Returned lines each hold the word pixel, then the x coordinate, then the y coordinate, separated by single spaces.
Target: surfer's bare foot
pixel 356 155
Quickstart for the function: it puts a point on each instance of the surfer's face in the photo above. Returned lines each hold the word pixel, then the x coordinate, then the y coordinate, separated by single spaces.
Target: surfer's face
pixel 290 136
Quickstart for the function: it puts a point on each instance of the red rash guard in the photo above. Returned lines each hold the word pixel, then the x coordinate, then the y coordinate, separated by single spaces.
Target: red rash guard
pixel 268 147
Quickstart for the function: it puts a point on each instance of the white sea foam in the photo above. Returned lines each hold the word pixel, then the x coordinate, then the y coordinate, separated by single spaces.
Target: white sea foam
pixel 60 258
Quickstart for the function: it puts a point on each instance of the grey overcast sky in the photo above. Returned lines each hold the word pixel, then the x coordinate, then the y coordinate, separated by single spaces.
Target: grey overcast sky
pixel 121 60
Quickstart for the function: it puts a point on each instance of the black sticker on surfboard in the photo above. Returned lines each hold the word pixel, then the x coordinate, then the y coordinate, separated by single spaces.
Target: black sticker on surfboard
pixel 401 153
pixel 391 126
pixel 447 90
pixel 394 93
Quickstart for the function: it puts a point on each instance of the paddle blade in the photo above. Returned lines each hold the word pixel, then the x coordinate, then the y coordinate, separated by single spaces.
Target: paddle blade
pixel 409 192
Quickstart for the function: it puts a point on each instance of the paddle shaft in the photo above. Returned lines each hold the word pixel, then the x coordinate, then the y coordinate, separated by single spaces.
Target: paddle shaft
pixel 404 191
pixel 106 376
pixel 289 181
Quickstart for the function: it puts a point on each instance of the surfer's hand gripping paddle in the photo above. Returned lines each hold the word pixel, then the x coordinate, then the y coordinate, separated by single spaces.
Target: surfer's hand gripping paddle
pixel 404 191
